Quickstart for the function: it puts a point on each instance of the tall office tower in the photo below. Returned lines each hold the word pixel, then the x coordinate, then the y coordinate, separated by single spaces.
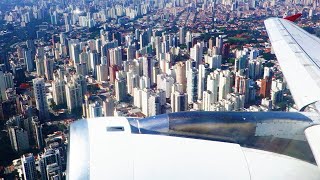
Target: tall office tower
pixel 181 77
pixel 28 61
pixel 48 68
pixel 202 79
pixel 102 72
pixel 219 44
pixel 131 52
pixel 115 56
pixel 19 139
pixel 74 96
pixel 59 92
pixel 179 101
pixel 50 157
pixel 28 167
pixel 182 35
pixel 108 106
pixel 265 87
pixel 192 81
pixel 37 132
pixel 81 81
pixel 212 85
pixel 211 43
pixel 40 97
pixel 224 84
pixel 75 52
pixel 144 39
pixel 95 110
pixel 154 104
pixel 121 89
pixel 40 67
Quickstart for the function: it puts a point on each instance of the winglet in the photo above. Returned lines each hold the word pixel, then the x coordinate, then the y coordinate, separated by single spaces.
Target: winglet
pixel 294 17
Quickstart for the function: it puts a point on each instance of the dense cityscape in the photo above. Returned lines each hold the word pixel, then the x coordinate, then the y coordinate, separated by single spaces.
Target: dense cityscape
pixel 64 60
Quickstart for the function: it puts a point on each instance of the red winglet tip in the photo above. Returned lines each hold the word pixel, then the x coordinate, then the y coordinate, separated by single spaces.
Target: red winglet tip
pixel 293 17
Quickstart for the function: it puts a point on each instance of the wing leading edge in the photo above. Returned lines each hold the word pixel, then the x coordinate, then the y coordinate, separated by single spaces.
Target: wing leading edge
pixel 298 53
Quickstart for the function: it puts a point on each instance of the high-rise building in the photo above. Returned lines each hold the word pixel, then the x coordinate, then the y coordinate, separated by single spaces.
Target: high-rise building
pixel 6 81
pixel 202 79
pixel 94 60
pixel 179 101
pixel 182 35
pixel 131 52
pixel 74 53
pixel 144 39
pixel 196 53
pixel 81 80
pixel 219 44
pixel 95 110
pixel 121 89
pixel 29 167
pixel 39 91
pixel 265 87
pixel 54 171
pixel 28 60
pixel 40 67
pixel 108 107
pixel 154 104
pixel 211 43
pixel 19 139
pixel 224 84
pixel 59 92
pixel 48 68
pixel 74 96
pixel 37 132
pixel 102 72
pixel 115 56
pixel 48 158
pixel 181 77
pixel 212 85
pixel 145 95
pixel 192 81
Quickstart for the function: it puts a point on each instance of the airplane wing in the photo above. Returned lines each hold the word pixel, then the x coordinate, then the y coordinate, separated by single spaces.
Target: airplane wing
pixel 298 53
pixel 196 145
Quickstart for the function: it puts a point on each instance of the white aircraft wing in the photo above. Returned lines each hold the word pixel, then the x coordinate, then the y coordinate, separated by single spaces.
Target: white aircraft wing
pixel 298 53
